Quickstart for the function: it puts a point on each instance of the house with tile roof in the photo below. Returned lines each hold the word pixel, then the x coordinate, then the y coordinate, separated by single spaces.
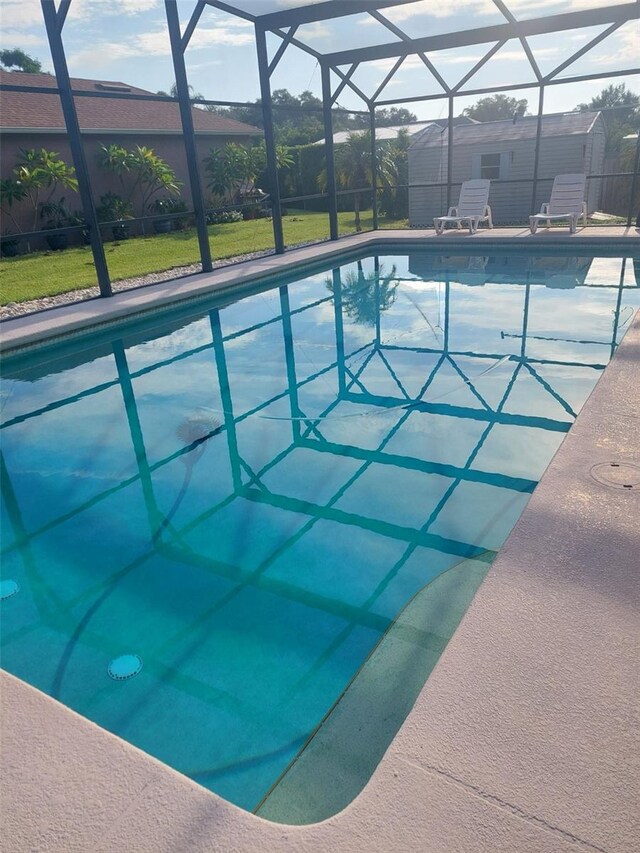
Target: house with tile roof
pixel 34 119
pixel 504 152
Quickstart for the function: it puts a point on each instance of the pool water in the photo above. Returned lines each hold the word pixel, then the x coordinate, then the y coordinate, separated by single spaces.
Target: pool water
pixel 213 521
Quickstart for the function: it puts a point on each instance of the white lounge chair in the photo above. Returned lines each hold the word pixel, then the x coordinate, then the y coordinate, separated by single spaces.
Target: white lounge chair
pixel 472 207
pixel 567 202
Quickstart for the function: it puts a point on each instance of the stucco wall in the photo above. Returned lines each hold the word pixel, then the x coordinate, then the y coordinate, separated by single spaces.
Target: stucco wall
pixel 168 146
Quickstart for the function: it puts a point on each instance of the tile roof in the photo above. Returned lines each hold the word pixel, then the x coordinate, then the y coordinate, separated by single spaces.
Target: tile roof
pixel 40 110
pixel 564 124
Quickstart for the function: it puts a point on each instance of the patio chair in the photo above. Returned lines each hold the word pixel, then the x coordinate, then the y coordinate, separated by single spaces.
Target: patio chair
pixel 567 202
pixel 472 207
pixel 474 273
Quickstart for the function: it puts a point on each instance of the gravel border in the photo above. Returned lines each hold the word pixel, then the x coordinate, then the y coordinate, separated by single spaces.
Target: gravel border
pixel 19 309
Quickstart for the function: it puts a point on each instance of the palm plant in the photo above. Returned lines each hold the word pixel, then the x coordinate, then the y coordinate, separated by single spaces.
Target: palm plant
pixel 365 295
pixel 38 170
pixel 11 191
pixel 140 172
pixel 235 166
pixel 354 168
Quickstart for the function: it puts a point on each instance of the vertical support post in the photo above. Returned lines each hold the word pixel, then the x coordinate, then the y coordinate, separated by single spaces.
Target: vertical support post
pixel 287 331
pixel 186 117
pixel 269 138
pixel 525 321
pixel 328 152
pixel 337 308
pixel 376 269
pixel 536 156
pixel 447 298
pixel 54 35
pixel 374 165
pixel 225 396
pixel 137 439
pixel 449 150
pixel 634 182
pixel 616 313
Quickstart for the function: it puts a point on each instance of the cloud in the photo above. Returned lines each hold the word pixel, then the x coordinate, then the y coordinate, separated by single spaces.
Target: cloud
pixel 82 10
pixel 156 43
pixel 19 38
pixel 19 15
pixel 316 30
pixel 397 14
pixel 626 50
pixel 523 9
pixel 444 57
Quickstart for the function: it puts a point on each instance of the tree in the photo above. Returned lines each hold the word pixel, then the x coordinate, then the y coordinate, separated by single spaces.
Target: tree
pixel 385 117
pixel 354 167
pixel 496 107
pixel 20 61
pixel 173 93
pixel 234 167
pixel 621 114
pixel 365 296
pixel 140 171
pixel 394 199
pixel 298 119
pixel 38 170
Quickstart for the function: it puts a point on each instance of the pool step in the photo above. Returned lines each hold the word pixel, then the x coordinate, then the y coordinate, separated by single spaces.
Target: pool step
pixel 337 761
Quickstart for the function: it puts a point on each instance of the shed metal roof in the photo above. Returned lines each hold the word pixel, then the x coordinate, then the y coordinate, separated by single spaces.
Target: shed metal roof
pixel 563 124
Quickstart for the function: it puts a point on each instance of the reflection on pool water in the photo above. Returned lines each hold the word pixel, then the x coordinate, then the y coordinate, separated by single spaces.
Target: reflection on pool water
pixel 210 523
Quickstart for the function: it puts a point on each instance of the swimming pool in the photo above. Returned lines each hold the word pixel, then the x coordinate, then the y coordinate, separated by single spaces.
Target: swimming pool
pixel 282 506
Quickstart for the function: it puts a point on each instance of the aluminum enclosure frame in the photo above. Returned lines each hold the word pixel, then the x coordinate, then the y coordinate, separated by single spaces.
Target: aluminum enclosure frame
pixel 284 24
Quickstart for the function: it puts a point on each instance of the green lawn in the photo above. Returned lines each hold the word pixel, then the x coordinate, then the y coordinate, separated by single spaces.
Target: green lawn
pixel 47 273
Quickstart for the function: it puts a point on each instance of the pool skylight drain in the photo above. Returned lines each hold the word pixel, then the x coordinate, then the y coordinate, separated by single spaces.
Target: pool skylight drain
pixel 617 475
pixel 8 588
pixel 125 666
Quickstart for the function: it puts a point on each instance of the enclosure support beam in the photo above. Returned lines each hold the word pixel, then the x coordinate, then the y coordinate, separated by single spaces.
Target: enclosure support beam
pixel 279 53
pixel 225 397
pixel 513 87
pixel 337 308
pixel 186 117
pixel 482 35
pixel 449 150
pixel 374 165
pixel 54 34
pixel 345 82
pixel 329 153
pixel 587 47
pixel 63 8
pixel 497 46
pixel 634 182
pixel 389 76
pixel 193 23
pixel 406 38
pixel 269 138
pixel 318 56
pixel 536 156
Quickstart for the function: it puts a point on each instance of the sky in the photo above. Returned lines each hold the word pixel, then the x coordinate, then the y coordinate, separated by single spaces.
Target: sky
pixel 126 40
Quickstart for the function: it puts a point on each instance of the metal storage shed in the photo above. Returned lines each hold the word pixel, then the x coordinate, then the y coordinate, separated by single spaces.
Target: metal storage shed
pixel 504 151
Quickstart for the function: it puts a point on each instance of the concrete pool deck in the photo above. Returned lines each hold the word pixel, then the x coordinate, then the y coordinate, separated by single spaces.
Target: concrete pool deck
pixel 523 740
pixel 44 325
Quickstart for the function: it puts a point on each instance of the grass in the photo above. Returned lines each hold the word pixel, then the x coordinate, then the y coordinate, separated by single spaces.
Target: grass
pixel 48 273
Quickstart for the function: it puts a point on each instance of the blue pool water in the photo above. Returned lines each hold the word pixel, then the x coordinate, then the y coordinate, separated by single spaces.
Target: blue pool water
pixel 210 519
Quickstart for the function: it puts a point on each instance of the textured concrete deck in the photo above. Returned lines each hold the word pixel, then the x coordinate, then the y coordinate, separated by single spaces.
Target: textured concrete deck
pixel 44 325
pixel 523 740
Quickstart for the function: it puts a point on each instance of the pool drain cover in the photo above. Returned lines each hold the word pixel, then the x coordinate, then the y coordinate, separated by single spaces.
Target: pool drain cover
pixel 126 666
pixel 8 588
pixel 617 475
